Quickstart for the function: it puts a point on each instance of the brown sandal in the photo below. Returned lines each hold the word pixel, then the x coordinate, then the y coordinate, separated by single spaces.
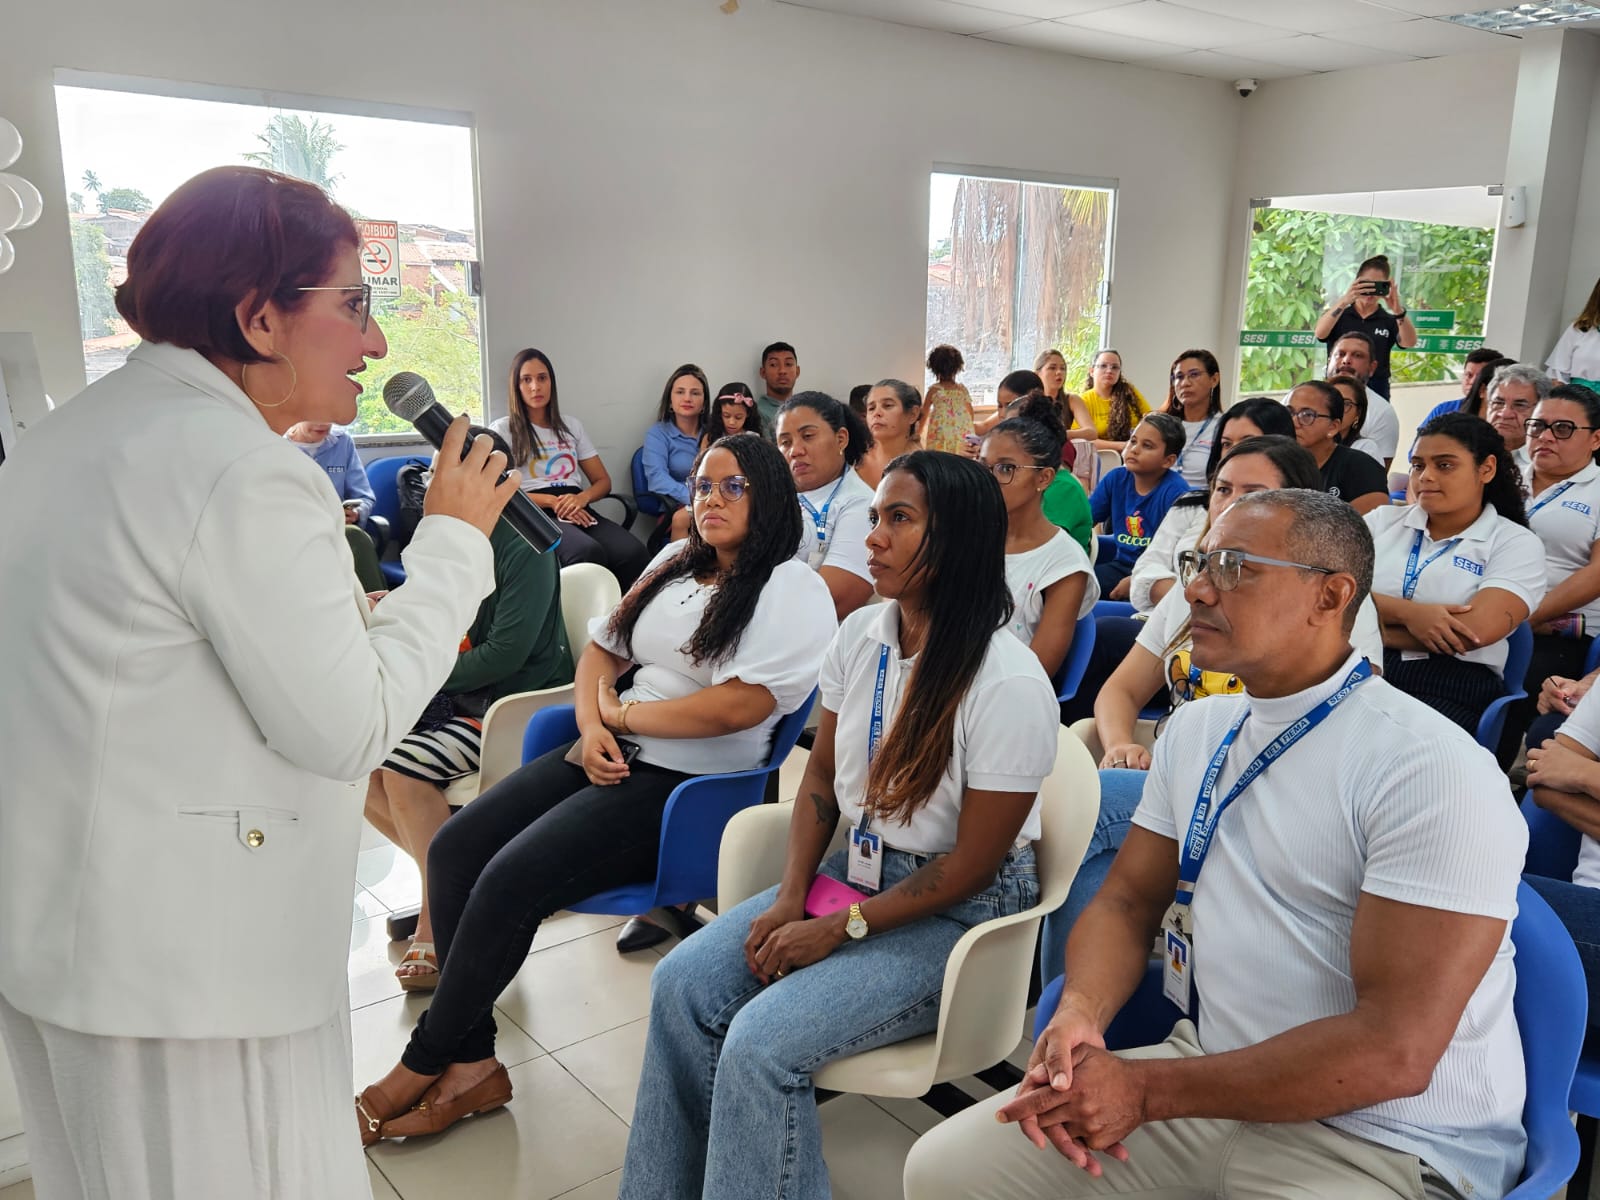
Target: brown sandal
pixel 429 1116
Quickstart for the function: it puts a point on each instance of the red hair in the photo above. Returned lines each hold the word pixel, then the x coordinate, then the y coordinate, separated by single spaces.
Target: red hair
pixel 229 235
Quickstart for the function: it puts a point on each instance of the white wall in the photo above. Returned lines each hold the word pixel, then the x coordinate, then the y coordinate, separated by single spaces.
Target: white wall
pixel 660 182
pixel 1585 266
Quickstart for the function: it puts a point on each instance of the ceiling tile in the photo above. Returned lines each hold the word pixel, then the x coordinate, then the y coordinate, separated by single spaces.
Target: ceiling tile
pixel 1167 22
pixel 1427 38
pixel 1214 65
pixel 1046 10
pixel 1301 16
pixel 945 15
pixel 1313 53
pixel 1069 39
pixel 1434 8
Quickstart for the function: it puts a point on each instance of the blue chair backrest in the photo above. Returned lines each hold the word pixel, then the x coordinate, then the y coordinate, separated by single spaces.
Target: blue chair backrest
pixel 1113 608
pixel 382 474
pixel 1070 674
pixel 643 498
pixel 1592 659
pixel 1519 651
pixel 1552 844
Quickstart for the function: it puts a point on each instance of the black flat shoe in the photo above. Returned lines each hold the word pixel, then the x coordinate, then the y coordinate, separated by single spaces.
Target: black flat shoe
pixel 640 934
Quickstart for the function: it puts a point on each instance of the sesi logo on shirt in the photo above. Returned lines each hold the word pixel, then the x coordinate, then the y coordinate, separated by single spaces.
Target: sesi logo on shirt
pixel 1466 564
pixel 1578 506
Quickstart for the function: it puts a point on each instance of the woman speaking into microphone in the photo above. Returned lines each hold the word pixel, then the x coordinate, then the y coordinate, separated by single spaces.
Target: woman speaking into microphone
pixel 191 676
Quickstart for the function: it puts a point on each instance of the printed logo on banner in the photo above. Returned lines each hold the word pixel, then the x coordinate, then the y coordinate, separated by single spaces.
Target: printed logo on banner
pixel 380 257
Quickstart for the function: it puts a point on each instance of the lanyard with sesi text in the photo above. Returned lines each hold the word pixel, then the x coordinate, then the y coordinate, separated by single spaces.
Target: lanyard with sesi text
pixel 1178 930
pixel 1408 586
pixel 866 849
pixel 1553 494
pixel 819 520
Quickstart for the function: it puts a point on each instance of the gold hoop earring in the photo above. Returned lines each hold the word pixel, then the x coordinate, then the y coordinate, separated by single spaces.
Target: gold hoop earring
pixel 294 382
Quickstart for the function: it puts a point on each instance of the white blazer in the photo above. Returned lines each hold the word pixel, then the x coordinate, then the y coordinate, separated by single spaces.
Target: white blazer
pixel 190 678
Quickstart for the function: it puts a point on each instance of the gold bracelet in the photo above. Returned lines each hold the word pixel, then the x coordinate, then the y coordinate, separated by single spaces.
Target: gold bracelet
pixel 622 715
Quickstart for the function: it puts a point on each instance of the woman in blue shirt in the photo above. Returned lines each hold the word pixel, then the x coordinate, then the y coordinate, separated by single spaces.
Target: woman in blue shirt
pixel 671 444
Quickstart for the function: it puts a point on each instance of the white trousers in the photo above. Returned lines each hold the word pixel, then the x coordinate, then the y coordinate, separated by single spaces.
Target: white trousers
pixel 116 1118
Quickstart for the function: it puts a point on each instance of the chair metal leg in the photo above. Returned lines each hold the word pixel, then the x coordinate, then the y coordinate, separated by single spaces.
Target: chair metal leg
pixel 1578 1188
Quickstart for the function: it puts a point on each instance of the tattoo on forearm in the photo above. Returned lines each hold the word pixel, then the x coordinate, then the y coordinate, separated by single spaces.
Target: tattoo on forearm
pixel 827 810
pixel 925 880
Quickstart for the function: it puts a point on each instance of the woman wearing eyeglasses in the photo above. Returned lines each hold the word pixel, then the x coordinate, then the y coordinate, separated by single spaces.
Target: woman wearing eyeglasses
pixel 192 676
pixel 727 632
pixel 1317 409
pixel 1051 580
pixel 1194 396
pixel 822 441
pixel 1158 664
pixel 1456 571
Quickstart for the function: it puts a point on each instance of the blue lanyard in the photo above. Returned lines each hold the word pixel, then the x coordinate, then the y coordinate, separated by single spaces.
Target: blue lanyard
pixel 819 520
pixel 1553 494
pixel 1408 586
pixel 1194 442
pixel 875 725
pixel 1204 822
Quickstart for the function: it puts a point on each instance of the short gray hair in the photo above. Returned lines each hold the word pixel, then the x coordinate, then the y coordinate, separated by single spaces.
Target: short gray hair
pixel 1324 531
pixel 1527 373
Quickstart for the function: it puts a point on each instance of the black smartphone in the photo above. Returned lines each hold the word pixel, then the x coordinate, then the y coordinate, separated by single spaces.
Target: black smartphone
pixel 630 750
pixel 1380 287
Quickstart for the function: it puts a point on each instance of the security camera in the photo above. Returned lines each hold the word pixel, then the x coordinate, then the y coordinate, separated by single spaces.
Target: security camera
pixel 1244 87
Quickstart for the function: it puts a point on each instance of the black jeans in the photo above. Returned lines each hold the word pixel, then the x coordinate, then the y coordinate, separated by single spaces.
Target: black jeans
pixel 607 543
pixel 539 840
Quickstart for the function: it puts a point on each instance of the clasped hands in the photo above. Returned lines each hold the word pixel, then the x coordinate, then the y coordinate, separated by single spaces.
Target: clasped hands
pixel 784 939
pixel 1076 1095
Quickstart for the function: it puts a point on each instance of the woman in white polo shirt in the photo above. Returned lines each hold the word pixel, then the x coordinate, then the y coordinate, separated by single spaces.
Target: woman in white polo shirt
pixel 744 1012
pixel 1456 571
pixel 823 440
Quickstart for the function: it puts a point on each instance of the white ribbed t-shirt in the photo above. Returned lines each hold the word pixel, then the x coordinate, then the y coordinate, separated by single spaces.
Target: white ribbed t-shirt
pixel 1029 573
pixel 1386 797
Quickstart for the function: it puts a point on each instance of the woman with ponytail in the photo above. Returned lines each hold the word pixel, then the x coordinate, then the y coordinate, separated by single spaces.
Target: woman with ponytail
pixel 725 633
pixel 942 789
pixel 1457 571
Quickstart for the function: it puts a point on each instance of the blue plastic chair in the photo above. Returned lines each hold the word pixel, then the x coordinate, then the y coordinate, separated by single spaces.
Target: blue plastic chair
pixel 1519 651
pixel 691 826
pixel 1070 674
pixel 1551 1005
pixel 1113 608
pixel 646 501
pixel 384 475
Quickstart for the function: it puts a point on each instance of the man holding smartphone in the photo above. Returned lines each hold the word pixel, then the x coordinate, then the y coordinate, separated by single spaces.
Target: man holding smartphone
pixel 1362 310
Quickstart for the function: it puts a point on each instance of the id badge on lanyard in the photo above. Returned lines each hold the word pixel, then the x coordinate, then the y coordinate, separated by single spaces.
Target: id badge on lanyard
pixel 819 525
pixel 1177 982
pixel 1414 570
pixel 866 847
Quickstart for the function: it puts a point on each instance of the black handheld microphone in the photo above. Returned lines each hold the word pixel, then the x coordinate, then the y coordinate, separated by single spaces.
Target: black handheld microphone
pixel 409 397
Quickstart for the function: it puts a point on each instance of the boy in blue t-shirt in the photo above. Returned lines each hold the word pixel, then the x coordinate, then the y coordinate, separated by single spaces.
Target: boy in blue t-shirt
pixel 1132 499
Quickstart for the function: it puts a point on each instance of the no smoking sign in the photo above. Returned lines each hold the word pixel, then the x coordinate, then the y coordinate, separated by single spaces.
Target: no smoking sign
pixel 380 258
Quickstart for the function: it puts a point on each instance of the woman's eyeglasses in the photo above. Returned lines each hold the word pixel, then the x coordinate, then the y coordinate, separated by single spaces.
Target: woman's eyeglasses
pixel 1191 376
pixel 363 309
pixel 1005 472
pixel 1307 416
pixel 1222 566
pixel 1561 430
pixel 732 487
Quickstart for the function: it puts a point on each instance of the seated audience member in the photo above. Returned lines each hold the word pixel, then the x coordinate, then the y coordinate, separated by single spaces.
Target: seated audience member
pixel 1132 499
pixel 517 643
pixel 780 369
pixel 733 411
pixel 858 399
pixel 1194 396
pixel 1564 778
pixel 727 633
pixel 1114 405
pixel 1473 364
pixel 1157 568
pixel 1009 390
pixel 1361 309
pixel 1348 938
pixel 1318 412
pixel 1576 356
pixel 1066 504
pixel 822 441
pixel 947 408
pixel 1051 367
pixel 892 410
pixel 1477 398
pixel 1354 354
pixel 744 1012
pixel 1564 511
pixel 1457 571
pixel 562 471
pixel 1510 395
pixel 1160 666
pixel 672 444
pixel 334 450
pixel 1051 581
pixel 1355 415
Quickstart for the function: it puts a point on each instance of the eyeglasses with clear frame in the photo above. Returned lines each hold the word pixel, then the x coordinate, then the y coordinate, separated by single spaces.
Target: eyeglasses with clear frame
pixel 1193 376
pixel 362 310
pixel 732 487
pixel 1560 430
pixel 1223 566
pixel 1308 416
pixel 1005 472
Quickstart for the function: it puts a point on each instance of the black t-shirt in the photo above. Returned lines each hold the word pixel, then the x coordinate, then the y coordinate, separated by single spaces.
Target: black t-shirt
pixel 1350 474
pixel 1382 328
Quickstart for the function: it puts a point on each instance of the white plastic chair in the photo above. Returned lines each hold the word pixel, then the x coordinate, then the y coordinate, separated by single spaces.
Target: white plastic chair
pixel 1144 733
pixel 588 590
pixel 1110 460
pixel 985 993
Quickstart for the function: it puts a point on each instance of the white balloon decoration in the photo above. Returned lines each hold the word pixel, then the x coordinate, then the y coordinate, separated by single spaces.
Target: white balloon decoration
pixel 20 201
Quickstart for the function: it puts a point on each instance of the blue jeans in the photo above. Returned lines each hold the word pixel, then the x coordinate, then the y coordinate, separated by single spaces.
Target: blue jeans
pixel 726 1109
pixel 1120 791
pixel 1579 909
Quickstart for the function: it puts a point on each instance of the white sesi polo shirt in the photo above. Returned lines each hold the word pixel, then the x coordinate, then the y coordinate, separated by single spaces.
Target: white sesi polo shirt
pixel 1583 727
pixel 1566 516
pixel 1492 552
pixel 843 530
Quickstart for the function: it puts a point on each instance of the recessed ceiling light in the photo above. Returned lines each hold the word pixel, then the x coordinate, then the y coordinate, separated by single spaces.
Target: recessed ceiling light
pixel 1516 17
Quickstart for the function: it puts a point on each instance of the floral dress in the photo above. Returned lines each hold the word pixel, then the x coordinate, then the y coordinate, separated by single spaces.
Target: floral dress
pixel 947 418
